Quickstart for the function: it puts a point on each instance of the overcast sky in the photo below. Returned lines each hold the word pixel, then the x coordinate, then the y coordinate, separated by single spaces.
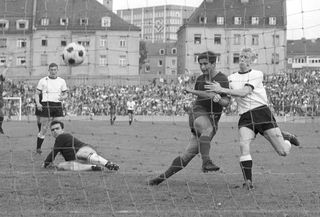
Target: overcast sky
pixel 303 15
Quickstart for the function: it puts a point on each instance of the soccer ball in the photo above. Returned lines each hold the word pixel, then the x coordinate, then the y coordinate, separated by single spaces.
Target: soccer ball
pixel 73 54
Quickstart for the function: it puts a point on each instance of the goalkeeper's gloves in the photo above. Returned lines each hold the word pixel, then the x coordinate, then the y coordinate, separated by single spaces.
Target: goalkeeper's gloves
pixel 112 166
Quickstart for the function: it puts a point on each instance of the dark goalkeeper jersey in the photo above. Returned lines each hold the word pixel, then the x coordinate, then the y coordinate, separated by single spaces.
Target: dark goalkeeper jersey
pixel 67 145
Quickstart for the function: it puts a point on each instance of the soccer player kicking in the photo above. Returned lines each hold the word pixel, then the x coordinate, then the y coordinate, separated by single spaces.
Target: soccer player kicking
pixel 3 75
pixel 255 115
pixel 78 155
pixel 203 119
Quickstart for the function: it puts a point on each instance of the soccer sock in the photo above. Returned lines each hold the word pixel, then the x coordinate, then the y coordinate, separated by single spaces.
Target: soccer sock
pixel 204 147
pixel 1 121
pixel 246 166
pixel 94 158
pixel 39 142
pixel 177 165
pixel 39 126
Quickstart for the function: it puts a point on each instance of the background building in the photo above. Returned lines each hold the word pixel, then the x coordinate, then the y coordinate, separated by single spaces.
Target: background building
pixel 303 54
pixel 35 33
pixel 226 26
pixel 158 23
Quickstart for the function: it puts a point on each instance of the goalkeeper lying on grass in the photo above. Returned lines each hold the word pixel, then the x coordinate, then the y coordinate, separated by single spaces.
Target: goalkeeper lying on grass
pixel 78 155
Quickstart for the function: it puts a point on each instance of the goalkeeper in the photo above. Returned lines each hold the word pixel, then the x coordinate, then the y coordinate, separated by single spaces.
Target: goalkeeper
pixel 78 155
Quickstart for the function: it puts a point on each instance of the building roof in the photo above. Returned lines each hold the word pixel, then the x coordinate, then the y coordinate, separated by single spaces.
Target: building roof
pixel 13 10
pixel 303 47
pixel 211 9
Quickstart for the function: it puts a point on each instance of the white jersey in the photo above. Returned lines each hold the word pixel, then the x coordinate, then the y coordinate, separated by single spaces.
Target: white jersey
pixel 131 105
pixel 51 88
pixel 257 97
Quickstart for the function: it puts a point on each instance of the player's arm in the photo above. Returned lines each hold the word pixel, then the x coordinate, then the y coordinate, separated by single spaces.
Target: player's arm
pixel 216 87
pixel 37 99
pixel 50 158
pixel 63 95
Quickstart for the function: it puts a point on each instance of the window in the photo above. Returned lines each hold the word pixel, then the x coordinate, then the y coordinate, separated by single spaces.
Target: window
pixel 3 60
pixel 21 61
pixel 3 42
pixel 84 43
pixel 275 58
pixel 276 40
pixel 202 19
pixel 123 60
pixel 237 20
pixel 21 43
pixel 123 41
pixel 195 57
pixel 63 42
pixel 236 58
pixel 84 21
pixel 237 39
pixel 272 20
pixel 174 51
pixel 64 21
pixel 255 20
pixel 160 63
pixel 105 21
pixel 220 20
pixel 173 62
pixel 217 39
pixel 103 42
pixel 4 24
pixel 197 38
pixel 44 59
pixel 22 24
pixel 103 60
pixel 44 42
pixel 44 21
pixel 161 52
pixel 255 40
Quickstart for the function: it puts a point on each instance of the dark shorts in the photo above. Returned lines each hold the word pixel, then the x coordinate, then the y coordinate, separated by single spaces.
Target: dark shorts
pixel 258 120
pixel 198 111
pixel 37 112
pixel 130 111
pixel 51 109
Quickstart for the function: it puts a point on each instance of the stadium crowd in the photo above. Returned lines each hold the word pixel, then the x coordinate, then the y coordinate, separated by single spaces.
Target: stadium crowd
pixel 294 93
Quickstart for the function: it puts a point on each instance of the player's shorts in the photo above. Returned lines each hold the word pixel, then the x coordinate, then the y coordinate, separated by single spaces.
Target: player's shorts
pixel 130 111
pixel 51 109
pixel 197 111
pixel 37 112
pixel 258 119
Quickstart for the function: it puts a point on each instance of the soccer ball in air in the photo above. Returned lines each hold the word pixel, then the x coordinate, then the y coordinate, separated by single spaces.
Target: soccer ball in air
pixel 73 54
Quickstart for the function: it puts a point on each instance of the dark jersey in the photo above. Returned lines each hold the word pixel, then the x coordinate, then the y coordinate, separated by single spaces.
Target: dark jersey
pixel 207 103
pixel 67 145
pixel 113 106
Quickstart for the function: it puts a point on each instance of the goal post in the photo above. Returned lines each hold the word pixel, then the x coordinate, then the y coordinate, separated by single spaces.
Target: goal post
pixel 17 100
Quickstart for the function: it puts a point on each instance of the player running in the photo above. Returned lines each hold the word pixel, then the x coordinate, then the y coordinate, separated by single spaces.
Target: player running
pixel 78 155
pixel 203 119
pixel 255 115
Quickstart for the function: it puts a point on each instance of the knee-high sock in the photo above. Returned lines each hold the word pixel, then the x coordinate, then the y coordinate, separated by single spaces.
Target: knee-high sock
pixel 204 147
pixel 97 159
pixel 177 164
pixel 40 140
pixel 246 166
pixel 1 121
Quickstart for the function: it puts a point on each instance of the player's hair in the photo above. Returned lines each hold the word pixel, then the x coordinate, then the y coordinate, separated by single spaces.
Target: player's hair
pixel 53 65
pixel 210 56
pixel 57 122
